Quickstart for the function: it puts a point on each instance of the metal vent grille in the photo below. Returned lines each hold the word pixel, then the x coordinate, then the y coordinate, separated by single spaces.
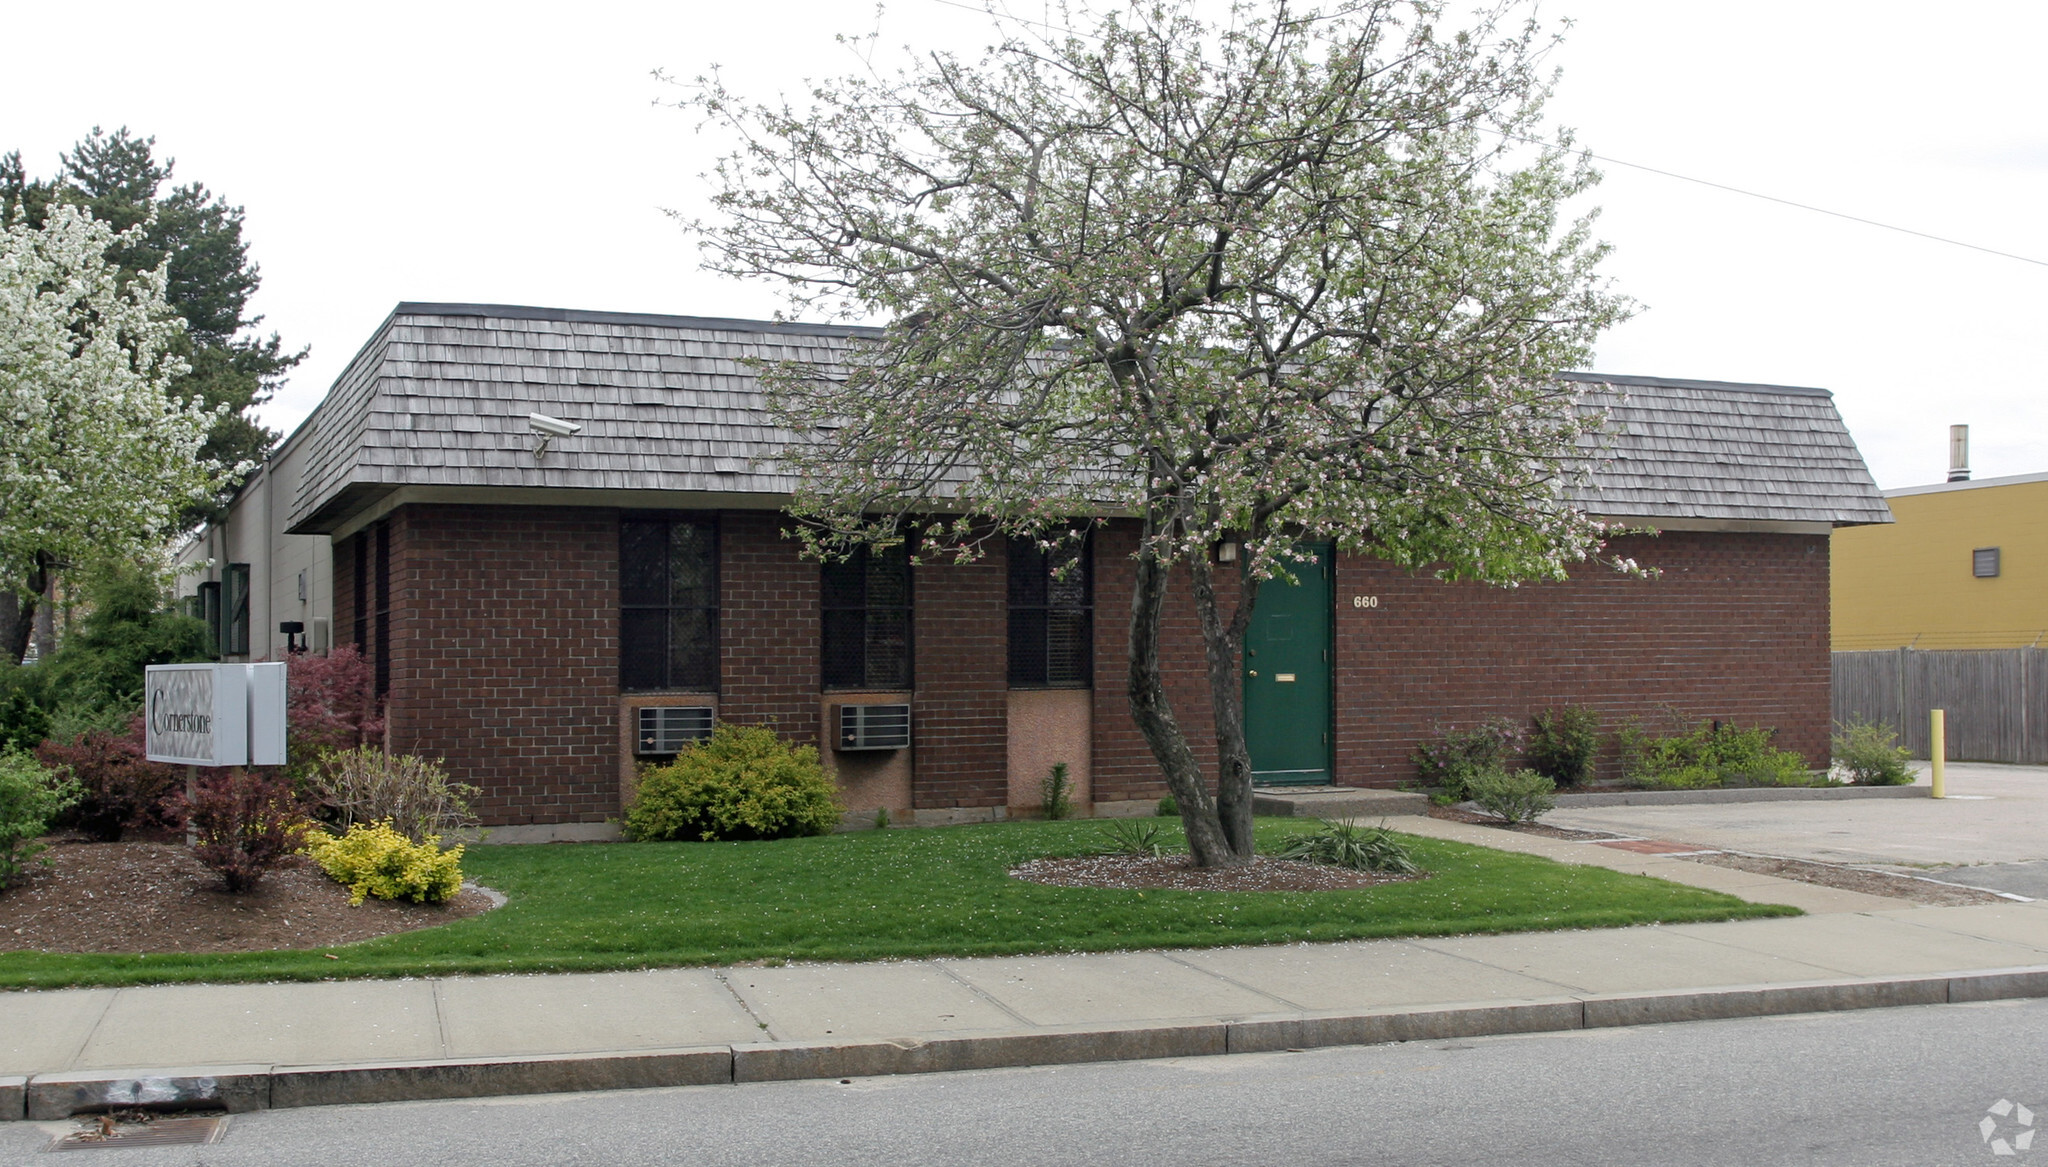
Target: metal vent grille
pixel 668 729
pixel 1984 562
pixel 872 727
pixel 144 1130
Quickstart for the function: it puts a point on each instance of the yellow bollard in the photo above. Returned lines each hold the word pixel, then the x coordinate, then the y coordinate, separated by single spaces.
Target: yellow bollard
pixel 1937 747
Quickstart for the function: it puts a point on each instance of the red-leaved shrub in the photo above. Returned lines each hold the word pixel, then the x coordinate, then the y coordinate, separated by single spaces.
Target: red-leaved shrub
pixel 244 824
pixel 331 702
pixel 121 788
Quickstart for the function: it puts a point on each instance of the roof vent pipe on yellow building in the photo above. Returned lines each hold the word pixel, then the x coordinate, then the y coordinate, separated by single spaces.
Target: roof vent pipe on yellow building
pixel 1959 453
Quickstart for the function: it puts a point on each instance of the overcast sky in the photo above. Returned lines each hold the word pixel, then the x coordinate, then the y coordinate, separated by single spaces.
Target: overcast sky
pixel 515 153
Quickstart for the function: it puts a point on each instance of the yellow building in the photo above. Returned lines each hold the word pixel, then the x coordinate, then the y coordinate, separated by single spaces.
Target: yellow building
pixel 1964 566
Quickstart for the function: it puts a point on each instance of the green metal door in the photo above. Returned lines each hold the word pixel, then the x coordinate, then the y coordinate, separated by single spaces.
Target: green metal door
pixel 1287 677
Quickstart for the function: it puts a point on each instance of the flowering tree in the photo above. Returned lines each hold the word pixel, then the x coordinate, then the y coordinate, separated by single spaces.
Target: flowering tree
pixel 96 456
pixel 1295 276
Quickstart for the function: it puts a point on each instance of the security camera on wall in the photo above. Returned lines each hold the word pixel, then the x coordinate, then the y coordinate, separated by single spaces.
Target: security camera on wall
pixel 550 428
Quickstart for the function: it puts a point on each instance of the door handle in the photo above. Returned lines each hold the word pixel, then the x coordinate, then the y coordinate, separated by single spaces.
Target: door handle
pixel 1254 673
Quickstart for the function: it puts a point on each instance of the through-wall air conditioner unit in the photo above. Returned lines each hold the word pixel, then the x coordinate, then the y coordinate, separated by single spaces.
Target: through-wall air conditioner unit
pixel 667 729
pixel 871 727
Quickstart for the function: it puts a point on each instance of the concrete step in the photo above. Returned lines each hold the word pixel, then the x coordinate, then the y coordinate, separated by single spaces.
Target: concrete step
pixel 1337 802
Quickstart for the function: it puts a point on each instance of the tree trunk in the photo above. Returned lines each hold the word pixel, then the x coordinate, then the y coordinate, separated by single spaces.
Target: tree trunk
pixel 15 623
pixel 1207 843
pixel 1222 646
pixel 45 634
pixel 18 608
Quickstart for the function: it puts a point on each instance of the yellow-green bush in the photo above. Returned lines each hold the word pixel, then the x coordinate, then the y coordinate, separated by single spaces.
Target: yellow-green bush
pixel 742 783
pixel 377 860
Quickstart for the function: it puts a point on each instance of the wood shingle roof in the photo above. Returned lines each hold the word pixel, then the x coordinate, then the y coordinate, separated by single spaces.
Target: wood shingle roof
pixel 440 398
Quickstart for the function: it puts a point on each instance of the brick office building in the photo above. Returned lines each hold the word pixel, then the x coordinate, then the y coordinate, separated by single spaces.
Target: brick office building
pixel 544 609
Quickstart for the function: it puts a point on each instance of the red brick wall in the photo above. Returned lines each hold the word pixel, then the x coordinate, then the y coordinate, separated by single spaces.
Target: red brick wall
pixel 961 709
pixel 504 646
pixel 504 654
pixel 1735 627
pixel 768 627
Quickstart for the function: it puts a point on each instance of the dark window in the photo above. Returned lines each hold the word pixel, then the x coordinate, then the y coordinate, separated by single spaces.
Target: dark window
pixel 236 594
pixel 668 604
pixel 361 559
pixel 866 604
pixel 1984 562
pixel 209 611
pixel 383 608
pixel 1052 616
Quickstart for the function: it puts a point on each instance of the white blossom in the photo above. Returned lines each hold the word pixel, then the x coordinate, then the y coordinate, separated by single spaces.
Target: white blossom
pixel 96 458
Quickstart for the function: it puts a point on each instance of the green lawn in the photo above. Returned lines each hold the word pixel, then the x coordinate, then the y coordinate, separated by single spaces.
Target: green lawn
pixel 872 895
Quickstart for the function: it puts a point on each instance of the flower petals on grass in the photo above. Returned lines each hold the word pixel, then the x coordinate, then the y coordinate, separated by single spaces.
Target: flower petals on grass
pixel 1175 873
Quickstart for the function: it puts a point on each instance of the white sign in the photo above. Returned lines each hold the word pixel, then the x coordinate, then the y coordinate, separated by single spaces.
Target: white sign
pixel 215 715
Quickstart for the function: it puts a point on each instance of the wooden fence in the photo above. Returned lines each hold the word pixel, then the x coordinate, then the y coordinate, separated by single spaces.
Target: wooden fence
pixel 1996 698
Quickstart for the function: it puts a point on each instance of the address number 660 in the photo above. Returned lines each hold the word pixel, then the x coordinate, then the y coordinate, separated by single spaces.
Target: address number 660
pixel 1365 601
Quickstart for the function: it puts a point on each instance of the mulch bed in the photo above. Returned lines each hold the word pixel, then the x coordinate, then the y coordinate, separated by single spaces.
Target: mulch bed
pixel 155 897
pixel 1145 872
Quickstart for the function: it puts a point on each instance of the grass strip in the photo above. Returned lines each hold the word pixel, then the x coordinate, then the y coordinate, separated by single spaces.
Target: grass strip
pixel 875 895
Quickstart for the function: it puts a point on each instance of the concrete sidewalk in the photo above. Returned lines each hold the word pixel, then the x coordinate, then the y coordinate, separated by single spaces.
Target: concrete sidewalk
pixel 250 1046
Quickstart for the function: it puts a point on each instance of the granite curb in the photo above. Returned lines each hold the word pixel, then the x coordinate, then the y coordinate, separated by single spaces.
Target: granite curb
pixel 240 1088
pixel 1591 798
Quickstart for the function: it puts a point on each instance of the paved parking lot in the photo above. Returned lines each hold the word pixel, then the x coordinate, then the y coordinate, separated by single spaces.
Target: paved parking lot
pixel 1991 830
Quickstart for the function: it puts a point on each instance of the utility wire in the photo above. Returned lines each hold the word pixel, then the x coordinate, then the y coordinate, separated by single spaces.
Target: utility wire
pixel 1790 203
pixel 1612 161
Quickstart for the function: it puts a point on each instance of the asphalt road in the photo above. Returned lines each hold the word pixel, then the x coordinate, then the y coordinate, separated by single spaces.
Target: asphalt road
pixel 1897 1086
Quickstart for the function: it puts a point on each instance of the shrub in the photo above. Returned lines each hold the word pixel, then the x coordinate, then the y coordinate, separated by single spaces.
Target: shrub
pixel 120 788
pixel 742 782
pixel 1564 744
pixel 378 860
pixel 1520 797
pixel 1451 759
pixel 1710 755
pixel 94 679
pixel 1869 755
pixel 244 824
pixel 1058 796
pixel 23 724
pixel 30 798
pixel 367 785
pixel 1169 807
pixel 330 706
pixel 1353 847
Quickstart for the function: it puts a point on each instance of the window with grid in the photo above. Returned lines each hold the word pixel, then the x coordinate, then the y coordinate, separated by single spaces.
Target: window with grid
pixel 866 605
pixel 1052 616
pixel 668 603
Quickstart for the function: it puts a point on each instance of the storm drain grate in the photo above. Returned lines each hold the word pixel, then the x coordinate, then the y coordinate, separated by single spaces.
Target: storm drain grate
pixel 141 1131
